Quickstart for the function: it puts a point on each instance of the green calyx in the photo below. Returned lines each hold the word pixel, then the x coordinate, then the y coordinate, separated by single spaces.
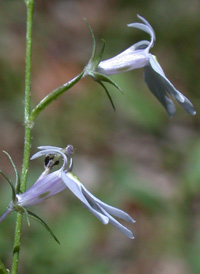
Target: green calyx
pixel 91 68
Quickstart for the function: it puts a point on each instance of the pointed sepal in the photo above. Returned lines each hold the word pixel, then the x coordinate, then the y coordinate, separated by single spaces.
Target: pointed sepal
pixel 108 95
pixel 100 78
pixel 93 40
pixel 11 185
pixel 99 56
pixel 38 219
pixel 91 68
pixel 17 182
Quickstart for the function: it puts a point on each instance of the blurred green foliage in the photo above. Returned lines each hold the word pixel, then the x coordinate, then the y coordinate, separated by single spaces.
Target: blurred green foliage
pixel 136 158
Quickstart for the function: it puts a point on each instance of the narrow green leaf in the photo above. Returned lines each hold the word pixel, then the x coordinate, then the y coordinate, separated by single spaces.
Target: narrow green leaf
pixel 17 184
pixel 38 219
pixel 12 187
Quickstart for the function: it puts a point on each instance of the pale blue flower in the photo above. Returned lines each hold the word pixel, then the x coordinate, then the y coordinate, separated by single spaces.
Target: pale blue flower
pixel 50 184
pixel 138 56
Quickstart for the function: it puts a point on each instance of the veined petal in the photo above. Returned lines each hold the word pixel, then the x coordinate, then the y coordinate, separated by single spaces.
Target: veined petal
pixel 75 186
pixel 159 85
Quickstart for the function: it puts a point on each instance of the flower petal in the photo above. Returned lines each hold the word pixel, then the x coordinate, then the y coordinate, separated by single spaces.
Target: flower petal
pixel 103 208
pixel 157 89
pixel 159 84
pixel 43 188
pixel 140 45
pixel 51 151
pixel 49 147
pixel 112 210
pixel 119 226
pixel 145 27
pixel 47 151
pixel 132 49
pixel 75 186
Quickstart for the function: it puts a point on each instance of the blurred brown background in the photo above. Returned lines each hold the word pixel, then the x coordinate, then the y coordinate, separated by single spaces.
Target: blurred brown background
pixel 137 158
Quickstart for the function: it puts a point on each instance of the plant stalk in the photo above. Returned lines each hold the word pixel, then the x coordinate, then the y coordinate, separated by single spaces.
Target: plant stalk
pixel 28 127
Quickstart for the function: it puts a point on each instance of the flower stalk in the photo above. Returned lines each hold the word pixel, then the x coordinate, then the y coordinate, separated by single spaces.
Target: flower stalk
pixel 53 96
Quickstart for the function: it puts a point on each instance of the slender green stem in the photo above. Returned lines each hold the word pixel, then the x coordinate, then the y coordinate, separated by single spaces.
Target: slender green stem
pixel 28 127
pixel 29 118
pixel 54 95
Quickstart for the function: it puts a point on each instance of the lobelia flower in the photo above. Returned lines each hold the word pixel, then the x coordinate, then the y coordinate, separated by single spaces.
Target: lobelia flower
pixel 138 56
pixel 49 184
